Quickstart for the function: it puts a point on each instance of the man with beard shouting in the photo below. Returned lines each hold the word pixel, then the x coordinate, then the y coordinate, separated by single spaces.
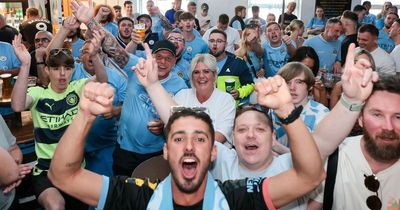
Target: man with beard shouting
pixel 125 28
pixel 368 165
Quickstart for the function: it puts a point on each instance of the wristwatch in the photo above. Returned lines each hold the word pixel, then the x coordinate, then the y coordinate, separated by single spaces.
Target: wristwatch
pixel 354 107
pixel 292 116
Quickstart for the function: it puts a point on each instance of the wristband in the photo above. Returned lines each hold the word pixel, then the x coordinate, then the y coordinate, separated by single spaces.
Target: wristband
pixel 351 106
pixel 292 116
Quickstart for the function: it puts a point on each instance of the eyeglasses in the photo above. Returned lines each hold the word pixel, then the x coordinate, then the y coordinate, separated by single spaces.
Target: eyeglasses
pixel 218 41
pixel 44 40
pixel 297 82
pixel 56 51
pixel 168 59
pixel 173 39
pixel 197 109
pixel 372 184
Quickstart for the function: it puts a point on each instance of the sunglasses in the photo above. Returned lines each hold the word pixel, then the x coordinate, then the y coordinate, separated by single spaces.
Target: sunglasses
pixel 44 40
pixel 372 184
pixel 56 51
pixel 242 108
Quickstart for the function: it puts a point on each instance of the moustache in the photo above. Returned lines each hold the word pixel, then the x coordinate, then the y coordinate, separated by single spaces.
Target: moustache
pixel 386 134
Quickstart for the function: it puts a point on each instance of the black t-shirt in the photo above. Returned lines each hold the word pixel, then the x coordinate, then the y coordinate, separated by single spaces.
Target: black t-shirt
pixel 7 34
pixel 286 19
pixel 132 193
pixel 29 29
pixel 345 45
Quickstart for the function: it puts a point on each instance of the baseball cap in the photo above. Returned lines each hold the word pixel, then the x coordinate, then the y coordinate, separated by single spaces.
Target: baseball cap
pixel 164 45
pixel 145 16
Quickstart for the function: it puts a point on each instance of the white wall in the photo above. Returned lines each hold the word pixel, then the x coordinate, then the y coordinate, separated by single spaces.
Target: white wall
pixel 218 7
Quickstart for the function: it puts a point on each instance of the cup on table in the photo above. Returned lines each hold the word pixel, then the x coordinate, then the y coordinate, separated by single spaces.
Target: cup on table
pixel 140 29
pixel 7 87
pixel 229 85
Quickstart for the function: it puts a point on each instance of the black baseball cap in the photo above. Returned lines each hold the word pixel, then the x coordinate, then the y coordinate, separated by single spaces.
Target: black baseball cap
pixel 164 45
pixel 144 15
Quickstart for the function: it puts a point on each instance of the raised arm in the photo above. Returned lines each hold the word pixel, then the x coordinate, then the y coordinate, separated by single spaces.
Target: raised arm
pixel 357 81
pixel 307 171
pixel 19 99
pixel 94 50
pixel 65 171
pixel 147 73
pixel 110 45
pixel 70 23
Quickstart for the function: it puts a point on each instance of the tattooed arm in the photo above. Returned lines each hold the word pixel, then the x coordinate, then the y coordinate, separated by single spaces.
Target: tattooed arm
pixel 110 45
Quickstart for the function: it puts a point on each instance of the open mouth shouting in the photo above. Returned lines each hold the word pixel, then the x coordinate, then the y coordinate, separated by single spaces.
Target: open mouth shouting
pixel 189 166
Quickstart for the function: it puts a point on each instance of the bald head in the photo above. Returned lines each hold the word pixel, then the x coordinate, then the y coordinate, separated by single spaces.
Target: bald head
pixel 42 39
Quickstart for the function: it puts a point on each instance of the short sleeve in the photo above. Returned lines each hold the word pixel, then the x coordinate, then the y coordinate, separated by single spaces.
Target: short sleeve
pixel 103 193
pixel 236 25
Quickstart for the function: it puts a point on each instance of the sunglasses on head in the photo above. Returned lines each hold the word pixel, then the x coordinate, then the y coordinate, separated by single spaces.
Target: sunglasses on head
pixel 372 184
pixel 253 107
pixel 56 51
pixel 197 109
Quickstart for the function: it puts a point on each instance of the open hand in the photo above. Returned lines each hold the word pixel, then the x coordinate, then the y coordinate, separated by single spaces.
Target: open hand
pixel 20 50
pixel 146 70
pixel 82 12
pixel 357 79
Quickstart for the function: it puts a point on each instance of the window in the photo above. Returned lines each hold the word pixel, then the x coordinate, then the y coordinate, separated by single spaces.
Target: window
pixel 377 5
pixel 275 7
pixel 163 5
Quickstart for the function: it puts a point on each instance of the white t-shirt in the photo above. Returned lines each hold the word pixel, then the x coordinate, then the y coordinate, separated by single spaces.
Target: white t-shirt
pixel 226 167
pixel 202 21
pixel 396 57
pixel 233 37
pixel 383 62
pixel 350 191
pixel 221 105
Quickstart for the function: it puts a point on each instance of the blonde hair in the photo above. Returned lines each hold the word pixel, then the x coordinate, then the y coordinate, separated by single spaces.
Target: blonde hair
pixel 209 60
pixel 294 25
pixel 243 45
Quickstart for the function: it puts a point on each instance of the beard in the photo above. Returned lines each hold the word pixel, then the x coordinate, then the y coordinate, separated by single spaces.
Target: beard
pixel 386 152
pixel 193 185
pixel 216 54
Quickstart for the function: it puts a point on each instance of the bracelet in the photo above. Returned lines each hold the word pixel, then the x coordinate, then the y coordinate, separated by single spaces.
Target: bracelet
pixel 292 116
pixel 351 106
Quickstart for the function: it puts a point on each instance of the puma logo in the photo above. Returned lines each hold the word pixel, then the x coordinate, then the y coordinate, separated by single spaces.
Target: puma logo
pixel 50 106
